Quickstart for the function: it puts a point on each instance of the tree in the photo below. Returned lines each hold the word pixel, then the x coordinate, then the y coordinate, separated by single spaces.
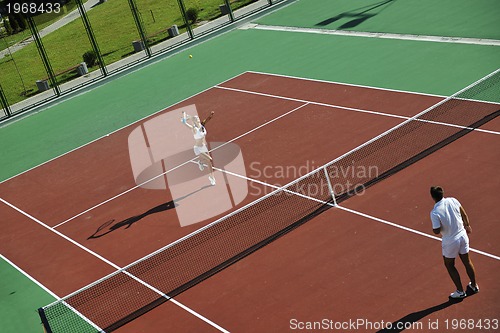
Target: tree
pixel 8 28
pixel 192 15
pixel 13 24
pixel 21 21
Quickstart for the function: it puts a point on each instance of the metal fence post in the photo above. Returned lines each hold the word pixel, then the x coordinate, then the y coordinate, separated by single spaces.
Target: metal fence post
pixel 43 54
pixel 229 10
pixel 91 36
pixel 4 102
pixel 140 26
pixel 186 21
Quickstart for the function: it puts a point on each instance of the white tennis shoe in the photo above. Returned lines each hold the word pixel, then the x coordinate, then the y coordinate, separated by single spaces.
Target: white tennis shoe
pixel 458 294
pixel 474 289
pixel 212 180
pixel 201 165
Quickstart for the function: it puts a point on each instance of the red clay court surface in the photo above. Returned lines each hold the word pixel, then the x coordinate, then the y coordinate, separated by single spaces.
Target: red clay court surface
pixel 363 262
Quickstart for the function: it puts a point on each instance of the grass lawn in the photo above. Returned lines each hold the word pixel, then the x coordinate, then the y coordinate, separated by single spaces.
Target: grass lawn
pixel 41 21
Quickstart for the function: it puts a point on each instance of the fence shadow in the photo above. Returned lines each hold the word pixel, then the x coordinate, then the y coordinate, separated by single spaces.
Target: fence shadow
pixel 358 15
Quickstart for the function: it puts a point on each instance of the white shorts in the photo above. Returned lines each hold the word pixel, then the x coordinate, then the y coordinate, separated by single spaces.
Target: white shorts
pixel 200 149
pixel 452 248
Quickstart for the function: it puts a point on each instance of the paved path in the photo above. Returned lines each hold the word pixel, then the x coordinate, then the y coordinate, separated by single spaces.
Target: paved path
pixel 75 14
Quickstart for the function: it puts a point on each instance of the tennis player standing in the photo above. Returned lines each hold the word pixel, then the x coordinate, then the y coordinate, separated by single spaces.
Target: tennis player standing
pixel 200 143
pixel 451 221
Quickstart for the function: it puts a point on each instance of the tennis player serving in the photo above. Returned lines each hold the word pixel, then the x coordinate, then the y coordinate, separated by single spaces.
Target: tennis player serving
pixel 200 143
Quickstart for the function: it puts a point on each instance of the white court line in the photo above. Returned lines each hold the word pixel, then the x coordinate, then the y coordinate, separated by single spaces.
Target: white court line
pixel 374 138
pixel 117 130
pixel 260 94
pixel 48 291
pixel 411 230
pixel 344 84
pixel 355 109
pixel 363 86
pixel 420 38
pixel 35 281
pixel 177 167
pixel 306 103
pixel 218 85
pixel 118 268
pixel 352 211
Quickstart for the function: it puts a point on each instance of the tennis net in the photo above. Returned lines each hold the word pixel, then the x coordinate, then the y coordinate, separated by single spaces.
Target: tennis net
pixel 141 286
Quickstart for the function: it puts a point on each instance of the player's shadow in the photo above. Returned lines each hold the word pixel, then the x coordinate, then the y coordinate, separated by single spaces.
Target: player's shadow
pixel 358 15
pixel 407 321
pixel 128 222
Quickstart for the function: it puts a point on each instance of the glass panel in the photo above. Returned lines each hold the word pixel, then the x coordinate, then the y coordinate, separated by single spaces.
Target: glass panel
pixel 163 23
pixel 21 67
pixel 116 33
pixel 207 15
pixel 242 8
pixel 3 107
pixel 65 42
pixel 22 72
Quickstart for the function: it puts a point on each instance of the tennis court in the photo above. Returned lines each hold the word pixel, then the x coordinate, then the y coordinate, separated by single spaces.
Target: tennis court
pixel 369 248
pixel 325 144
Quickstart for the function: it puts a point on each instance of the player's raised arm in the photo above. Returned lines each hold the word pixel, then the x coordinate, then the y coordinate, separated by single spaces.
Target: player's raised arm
pixel 185 119
pixel 208 118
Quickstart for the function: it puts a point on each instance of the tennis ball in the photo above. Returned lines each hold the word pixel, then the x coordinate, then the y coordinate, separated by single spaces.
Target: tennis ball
pixel 190 56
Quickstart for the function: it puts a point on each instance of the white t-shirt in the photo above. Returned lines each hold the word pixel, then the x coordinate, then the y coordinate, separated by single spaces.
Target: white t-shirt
pixel 446 215
pixel 200 133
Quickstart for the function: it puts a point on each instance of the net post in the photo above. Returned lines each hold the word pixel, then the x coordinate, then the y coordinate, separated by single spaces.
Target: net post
pixel 45 322
pixel 330 187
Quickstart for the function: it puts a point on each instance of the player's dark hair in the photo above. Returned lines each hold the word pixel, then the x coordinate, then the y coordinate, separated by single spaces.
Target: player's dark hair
pixel 437 193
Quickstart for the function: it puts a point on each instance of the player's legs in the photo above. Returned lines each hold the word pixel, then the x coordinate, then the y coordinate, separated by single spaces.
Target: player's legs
pixel 451 248
pixel 197 152
pixel 452 270
pixel 206 159
pixel 203 157
pixel 463 251
pixel 469 268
